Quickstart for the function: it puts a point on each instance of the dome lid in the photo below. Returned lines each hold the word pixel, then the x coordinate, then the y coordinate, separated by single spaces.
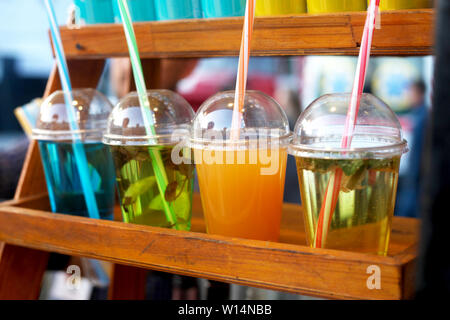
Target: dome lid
pixel 171 114
pixel 91 108
pixel 262 117
pixel 319 129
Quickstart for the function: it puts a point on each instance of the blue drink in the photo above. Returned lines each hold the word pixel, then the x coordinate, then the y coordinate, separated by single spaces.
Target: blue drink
pixel 63 181
pixel 56 137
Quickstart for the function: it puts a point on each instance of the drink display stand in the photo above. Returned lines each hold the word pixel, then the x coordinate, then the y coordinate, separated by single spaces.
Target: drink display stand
pixel 30 231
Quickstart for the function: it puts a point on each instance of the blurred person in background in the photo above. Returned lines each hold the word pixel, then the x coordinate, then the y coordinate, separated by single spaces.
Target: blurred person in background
pixel 410 183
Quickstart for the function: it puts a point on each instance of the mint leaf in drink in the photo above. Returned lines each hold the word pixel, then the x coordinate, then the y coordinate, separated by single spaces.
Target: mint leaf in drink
pixel 315 164
pixel 182 206
pixel 186 170
pixel 354 181
pixel 156 203
pixel 379 163
pixel 127 201
pixel 171 191
pixel 350 167
pixel 139 187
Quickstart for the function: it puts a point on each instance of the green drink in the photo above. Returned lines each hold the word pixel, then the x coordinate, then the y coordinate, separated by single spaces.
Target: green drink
pixel 140 199
pixel 365 204
pixel 153 166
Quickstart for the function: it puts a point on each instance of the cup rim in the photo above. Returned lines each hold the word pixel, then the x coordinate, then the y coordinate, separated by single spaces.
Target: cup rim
pixel 228 144
pixel 392 149
pixel 146 140
pixel 56 135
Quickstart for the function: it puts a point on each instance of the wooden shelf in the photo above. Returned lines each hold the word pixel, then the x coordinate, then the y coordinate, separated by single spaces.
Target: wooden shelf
pixel 403 32
pixel 30 231
pixel 287 266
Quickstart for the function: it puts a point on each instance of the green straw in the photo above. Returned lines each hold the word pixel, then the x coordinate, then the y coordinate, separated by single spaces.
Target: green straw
pixel 157 163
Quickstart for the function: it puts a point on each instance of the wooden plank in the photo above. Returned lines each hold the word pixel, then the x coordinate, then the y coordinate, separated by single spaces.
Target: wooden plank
pixel 127 283
pixel 403 32
pixel 21 271
pixel 287 267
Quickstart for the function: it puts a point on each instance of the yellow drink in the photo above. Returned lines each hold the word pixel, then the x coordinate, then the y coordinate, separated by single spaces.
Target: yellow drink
pixel 276 7
pixel 238 199
pixel 321 6
pixel 362 217
pixel 404 4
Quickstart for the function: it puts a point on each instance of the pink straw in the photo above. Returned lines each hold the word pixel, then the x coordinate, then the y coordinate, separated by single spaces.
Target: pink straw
pixel 241 80
pixel 334 184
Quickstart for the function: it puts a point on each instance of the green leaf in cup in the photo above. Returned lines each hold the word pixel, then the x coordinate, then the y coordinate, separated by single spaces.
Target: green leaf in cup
pixel 350 167
pixel 171 191
pixel 139 187
pixel 156 203
pixel 182 206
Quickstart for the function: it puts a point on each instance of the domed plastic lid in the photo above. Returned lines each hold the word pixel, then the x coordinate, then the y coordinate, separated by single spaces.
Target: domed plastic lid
pixel 262 118
pixel 319 129
pixel 91 108
pixel 172 117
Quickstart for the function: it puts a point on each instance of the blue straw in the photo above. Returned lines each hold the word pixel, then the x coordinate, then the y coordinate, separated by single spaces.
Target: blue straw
pixel 77 145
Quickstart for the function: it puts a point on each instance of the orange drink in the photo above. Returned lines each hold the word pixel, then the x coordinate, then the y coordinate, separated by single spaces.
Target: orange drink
pixel 241 176
pixel 239 200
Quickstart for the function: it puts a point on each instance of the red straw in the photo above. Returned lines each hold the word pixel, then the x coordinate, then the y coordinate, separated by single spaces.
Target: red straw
pixel 244 57
pixel 334 184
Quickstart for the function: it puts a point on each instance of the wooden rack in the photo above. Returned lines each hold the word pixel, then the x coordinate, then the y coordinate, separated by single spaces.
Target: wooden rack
pixel 404 32
pixel 29 230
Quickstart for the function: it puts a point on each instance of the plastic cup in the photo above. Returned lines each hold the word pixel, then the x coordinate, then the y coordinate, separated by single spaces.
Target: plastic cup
pixel 178 9
pixel 140 199
pixel 93 11
pixel 404 4
pixel 361 220
pixel 323 6
pixel 223 8
pixel 276 7
pixel 140 10
pixel 241 181
pixel 55 144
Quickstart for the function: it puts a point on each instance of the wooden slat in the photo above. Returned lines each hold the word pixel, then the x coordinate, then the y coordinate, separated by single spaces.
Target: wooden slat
pixel 21 271
pixel 279 266
pixel 403 32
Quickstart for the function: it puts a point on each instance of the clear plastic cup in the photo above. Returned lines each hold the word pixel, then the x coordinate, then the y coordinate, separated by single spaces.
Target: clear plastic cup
pixel 364 204
pixel 242 180
pixel 140 198
pixel 323 6
pixel 276 7
pixel 55 141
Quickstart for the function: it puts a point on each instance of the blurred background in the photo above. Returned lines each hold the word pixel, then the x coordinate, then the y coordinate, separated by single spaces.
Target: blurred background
pixel 26 59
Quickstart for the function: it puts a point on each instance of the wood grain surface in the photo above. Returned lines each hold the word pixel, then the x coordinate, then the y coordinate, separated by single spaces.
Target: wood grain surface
pixel 403 32
pixel 287 266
